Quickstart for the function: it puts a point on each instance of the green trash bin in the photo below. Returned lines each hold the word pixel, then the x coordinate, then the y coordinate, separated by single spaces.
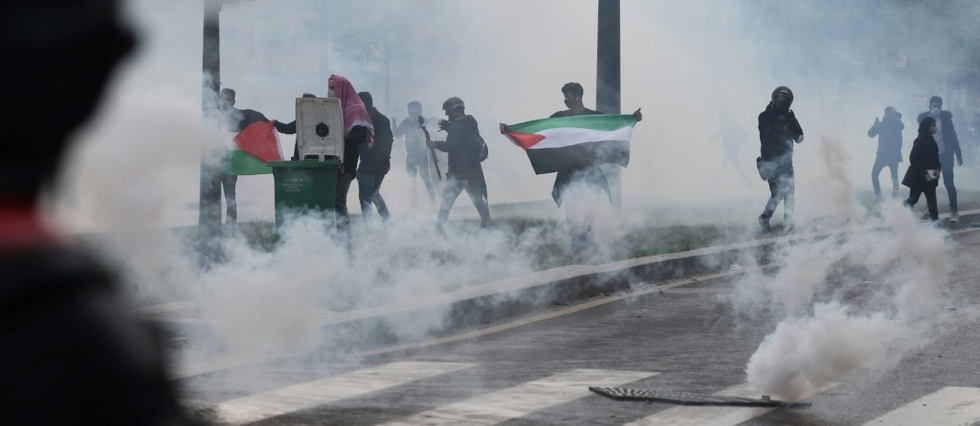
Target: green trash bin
pixel 303 187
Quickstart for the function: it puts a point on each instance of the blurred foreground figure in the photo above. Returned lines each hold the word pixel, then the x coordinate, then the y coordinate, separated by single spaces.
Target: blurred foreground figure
pixel 889 132
pixel 778 131
pixel 922 177
pixel 71 354
pixel 949 146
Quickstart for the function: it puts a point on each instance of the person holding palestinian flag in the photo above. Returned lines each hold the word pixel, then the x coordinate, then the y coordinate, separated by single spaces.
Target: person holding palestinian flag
pixel 255 143
pixel 573 143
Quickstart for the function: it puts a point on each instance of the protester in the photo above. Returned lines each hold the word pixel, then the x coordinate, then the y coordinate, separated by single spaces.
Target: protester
pixel 778 131
pixel 72 353
pixel 358 130
pixel 579 187
pixel 922 176
pixel 949 146
pixel 290 129
pixel 732 137
pixel 375 162
pixel 417 155
pixel 889 132
pixel 234 120
pixel 464 145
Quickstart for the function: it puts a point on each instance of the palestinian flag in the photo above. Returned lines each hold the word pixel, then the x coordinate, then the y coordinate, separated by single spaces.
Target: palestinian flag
pixel 252 148
pixel 556 144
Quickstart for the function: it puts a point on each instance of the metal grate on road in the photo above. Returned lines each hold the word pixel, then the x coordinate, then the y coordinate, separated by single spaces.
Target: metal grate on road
pixel 684 398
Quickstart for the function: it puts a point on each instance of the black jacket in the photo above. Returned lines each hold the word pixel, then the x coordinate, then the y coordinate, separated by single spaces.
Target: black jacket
pixel 889 133
pixel 778 130
pixel 377 158
pixel 352 149
pixel 72 353
pixel 924 156
pixel 237 120
pixel 950 140
pixel 463 145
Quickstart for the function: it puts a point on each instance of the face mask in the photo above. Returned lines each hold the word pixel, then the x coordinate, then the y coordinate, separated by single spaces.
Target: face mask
pixel 331 94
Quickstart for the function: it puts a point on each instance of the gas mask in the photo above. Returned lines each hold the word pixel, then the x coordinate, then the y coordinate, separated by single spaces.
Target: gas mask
pixel 331 94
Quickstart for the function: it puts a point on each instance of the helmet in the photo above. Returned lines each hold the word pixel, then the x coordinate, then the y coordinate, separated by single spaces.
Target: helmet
pixel 782 97
pixel 451 103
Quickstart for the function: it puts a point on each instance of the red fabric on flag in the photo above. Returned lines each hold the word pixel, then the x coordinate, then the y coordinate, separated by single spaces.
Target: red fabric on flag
pixel 524 140
pixel 259 139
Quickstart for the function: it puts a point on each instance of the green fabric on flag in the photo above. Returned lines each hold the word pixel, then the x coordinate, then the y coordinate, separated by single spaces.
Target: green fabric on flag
pixel 243 163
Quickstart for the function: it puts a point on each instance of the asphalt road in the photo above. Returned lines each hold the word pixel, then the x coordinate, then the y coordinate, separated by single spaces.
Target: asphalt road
pixel 683 337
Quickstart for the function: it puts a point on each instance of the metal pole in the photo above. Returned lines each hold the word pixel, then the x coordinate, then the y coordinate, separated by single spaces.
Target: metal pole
pixel 608 81
pixel 209 209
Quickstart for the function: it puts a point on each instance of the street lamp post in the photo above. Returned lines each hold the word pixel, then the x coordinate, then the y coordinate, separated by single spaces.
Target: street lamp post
pixel 209 206
pixel 608 81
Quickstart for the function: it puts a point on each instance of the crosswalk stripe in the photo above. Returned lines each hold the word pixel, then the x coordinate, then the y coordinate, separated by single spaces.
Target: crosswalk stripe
pixel 711 415
pixel 311 394
pixel 947 406
pixel 523 399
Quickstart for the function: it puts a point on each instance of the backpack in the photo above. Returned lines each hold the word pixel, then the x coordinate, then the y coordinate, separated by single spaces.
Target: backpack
pixel 484 150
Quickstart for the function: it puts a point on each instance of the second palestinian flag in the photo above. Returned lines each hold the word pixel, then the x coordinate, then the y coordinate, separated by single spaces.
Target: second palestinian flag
pixel 253 147
pixel 566 143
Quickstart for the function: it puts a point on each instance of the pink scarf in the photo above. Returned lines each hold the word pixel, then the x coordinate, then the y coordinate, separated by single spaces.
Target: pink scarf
pixel 355 113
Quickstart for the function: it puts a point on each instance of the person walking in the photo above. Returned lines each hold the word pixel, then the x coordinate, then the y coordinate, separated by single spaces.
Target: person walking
pixel 949 147
pixel 922 176
pixel 889 132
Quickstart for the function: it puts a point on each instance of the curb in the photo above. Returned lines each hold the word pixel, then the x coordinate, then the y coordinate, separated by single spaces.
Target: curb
pixel 466 309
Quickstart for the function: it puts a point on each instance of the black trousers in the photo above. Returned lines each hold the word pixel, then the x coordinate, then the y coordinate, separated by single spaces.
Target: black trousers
pixel 930 192
pixel 228 183
pixel 782 187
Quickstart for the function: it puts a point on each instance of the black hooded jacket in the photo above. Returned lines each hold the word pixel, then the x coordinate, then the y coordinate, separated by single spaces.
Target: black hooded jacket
pixel 924 156
pixel 377 158
pixel 463 146
pixel 778 130
pixel 889 133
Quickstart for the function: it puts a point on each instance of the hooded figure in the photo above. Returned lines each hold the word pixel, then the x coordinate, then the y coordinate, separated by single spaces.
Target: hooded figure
pixel 778 132
pixel 72 351
pixel 922 176
pixel 949 150
pixel 889 133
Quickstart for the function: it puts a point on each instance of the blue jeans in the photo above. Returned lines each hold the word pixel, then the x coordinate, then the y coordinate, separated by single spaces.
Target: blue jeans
pixel 369 192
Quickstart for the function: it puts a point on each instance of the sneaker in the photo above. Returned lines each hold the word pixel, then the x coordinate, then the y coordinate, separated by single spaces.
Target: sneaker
pixel 954 217
pixel 765 224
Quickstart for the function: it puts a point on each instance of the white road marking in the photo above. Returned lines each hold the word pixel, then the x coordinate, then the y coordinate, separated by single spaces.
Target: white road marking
pixel 311 394
pixel 947 406
pixel 523 399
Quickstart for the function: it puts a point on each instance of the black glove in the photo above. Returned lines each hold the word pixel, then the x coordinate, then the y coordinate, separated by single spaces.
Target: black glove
pixel 444 125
